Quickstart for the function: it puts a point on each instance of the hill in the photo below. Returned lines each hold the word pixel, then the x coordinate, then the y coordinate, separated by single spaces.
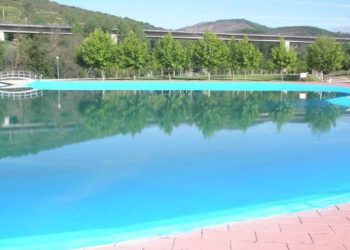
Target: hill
pixel 227 26
pixel 245 26
pixel 49 12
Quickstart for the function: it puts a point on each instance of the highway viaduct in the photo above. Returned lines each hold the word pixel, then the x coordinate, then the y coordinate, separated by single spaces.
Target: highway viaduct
pixel 156 34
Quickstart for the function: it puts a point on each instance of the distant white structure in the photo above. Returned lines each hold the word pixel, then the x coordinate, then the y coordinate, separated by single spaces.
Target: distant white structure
pixel 287 44
pixel 303 76
pixel 303 96
pixel 114 38
pixel 6 122
pixel 2 36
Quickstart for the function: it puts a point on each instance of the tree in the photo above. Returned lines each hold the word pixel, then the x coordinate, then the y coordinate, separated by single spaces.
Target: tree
pixel 134 52
pixel 346 60
pixel 210 53
pixel 170 54
pixel 31 53
pixel 325 55
pixel 97 51
pixel 284 58
pixel 38 56
pixel 188 59
pixel 243 55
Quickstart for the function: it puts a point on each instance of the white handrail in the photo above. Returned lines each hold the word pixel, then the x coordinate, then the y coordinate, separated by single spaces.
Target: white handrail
pixel 20 74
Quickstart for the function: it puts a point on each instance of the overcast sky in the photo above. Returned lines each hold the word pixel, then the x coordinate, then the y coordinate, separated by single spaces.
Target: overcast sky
pixel 329 14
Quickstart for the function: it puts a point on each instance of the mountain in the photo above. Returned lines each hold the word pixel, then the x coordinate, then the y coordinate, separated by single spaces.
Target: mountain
pixel 245 26
pixel 227 26
pixel 49 12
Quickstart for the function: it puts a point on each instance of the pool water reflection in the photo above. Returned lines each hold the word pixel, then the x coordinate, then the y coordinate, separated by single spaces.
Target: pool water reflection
pixel 118 165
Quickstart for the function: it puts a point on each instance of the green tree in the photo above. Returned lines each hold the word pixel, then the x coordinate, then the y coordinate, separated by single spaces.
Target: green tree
pixel 284 58
pixel 188 59
pixel 170 54
pixel 97 51
pixel 32 53
pixel 243 55
pixel 346 60
pixel 134 52
pixel 210 53
pixel 325 55
pixel 38 54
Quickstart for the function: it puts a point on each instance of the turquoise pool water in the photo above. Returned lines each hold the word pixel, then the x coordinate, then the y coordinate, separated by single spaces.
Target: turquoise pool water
pixel 112 166
pixel 186 85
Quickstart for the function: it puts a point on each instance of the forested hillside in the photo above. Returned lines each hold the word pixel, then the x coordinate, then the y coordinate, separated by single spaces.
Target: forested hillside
pixel 245 26
pixel 49 12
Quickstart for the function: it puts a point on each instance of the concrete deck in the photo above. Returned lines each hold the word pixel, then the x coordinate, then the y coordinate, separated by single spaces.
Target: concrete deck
pixel 327 229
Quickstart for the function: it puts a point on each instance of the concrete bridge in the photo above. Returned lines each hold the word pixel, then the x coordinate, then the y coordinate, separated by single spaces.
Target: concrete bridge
pixel 33 29
pixel 156 34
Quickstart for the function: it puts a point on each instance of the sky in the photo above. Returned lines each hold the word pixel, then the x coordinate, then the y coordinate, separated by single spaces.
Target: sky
pixel 330 14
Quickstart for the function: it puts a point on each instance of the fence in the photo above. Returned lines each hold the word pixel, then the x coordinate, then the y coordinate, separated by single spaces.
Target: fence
pixel 20 74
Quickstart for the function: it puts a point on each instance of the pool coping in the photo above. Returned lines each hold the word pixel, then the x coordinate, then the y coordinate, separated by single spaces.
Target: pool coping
pixel 327 229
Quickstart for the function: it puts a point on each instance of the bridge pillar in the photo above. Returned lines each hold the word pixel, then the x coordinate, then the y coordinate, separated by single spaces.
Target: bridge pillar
pixel 2 36
pixel 114 38
pixel 287 44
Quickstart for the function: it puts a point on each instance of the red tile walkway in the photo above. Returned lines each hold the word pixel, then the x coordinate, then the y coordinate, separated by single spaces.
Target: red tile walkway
pixel 327 229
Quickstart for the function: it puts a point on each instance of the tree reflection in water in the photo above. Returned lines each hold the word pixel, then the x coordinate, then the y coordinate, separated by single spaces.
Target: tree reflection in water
pixel 89 115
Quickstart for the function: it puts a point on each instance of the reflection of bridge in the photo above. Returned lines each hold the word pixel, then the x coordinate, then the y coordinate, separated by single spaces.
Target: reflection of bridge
pixel 7 127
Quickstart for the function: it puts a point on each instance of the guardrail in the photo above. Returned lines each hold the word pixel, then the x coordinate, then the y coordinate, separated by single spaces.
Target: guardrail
pixel 20 74
pixel 21 94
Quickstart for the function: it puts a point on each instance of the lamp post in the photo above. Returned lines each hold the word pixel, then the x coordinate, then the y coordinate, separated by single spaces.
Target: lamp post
pixel 58 77
pixel 58 66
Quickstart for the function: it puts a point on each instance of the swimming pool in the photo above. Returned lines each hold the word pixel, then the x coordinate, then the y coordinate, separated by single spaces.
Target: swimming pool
pixel 186 85
pixel 113 166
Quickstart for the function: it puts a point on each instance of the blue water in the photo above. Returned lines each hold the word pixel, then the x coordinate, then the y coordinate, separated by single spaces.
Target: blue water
pixel 186 85
pixel 104 183
pixel 341 101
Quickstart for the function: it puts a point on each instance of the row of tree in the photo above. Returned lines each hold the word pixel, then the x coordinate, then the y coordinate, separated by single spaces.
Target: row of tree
pixel 83 57
pixel 99 51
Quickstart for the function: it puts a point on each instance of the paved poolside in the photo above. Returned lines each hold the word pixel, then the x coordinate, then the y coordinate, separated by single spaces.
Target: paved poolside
pixel 326 229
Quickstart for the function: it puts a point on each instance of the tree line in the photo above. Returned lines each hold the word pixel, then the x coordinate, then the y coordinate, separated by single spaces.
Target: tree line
pixel 98 51
pixel 97 55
